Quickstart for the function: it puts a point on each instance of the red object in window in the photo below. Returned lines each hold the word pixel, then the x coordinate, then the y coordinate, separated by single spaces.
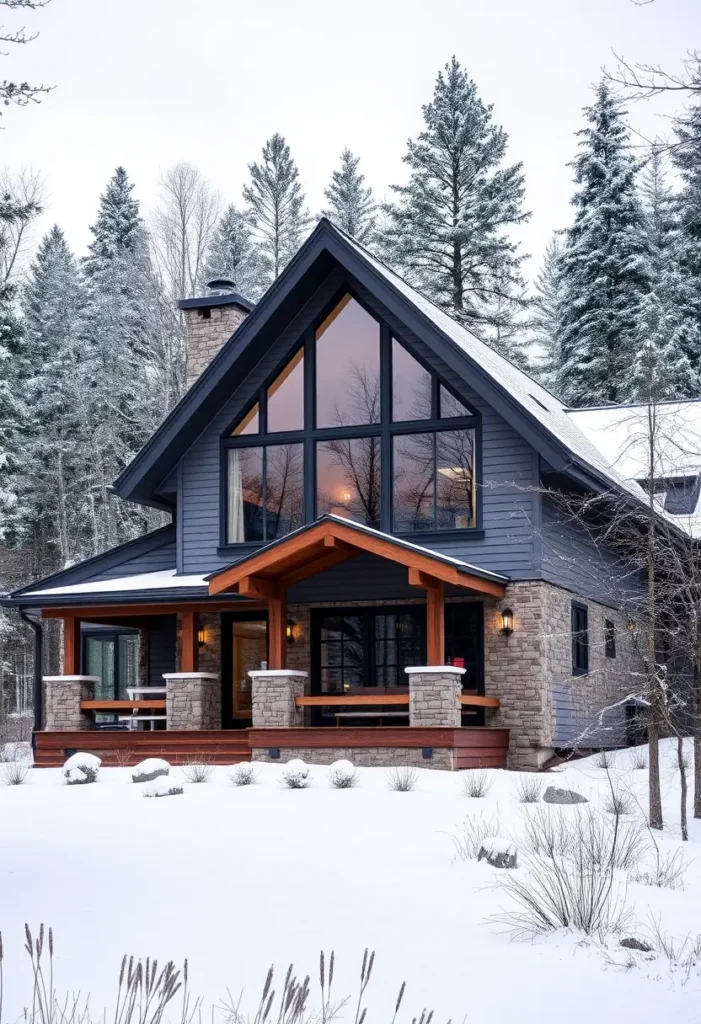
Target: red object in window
pixel 459 662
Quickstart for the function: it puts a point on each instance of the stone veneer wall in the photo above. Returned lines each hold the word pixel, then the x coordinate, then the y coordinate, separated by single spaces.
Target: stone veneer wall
pixel 434 698
pixel 362 757
pixel 273 698
pixel 62 697
pixel 193 701
pixel 206 335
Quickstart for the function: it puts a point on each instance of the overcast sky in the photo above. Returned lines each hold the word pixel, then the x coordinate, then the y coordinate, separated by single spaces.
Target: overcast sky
pixel 147 83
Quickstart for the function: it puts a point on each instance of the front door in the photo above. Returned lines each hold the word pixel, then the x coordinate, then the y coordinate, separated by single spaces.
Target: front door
pixel 244 649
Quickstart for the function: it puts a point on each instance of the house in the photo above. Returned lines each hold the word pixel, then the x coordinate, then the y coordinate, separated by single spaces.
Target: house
pixel 364 559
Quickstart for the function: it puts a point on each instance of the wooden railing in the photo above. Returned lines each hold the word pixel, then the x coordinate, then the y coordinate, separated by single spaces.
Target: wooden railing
pixel 356 700
pixel 109 706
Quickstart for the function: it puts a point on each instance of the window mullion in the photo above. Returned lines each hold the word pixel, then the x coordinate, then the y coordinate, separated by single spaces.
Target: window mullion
pixel 435 481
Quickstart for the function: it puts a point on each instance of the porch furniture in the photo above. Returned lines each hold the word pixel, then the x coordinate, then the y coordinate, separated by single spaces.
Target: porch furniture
pixel 133 720
pixel 134 693
pixel 338 715
pixel 148 691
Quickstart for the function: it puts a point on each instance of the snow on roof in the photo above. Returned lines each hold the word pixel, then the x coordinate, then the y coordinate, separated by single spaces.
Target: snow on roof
pixel 164 579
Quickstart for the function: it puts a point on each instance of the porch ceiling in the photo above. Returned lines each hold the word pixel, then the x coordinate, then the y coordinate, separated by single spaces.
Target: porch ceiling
pixel 332 540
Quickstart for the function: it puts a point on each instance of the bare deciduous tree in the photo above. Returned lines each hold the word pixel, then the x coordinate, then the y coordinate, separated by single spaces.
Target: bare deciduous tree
pixel 20 93
pixel 182 228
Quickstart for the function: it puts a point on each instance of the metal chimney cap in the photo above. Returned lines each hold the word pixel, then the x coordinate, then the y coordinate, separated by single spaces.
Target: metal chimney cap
pixel 221 285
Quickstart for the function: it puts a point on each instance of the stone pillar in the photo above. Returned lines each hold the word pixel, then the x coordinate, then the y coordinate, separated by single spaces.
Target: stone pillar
pixel 193 700
pixel 434 692
pixel 62 699
pixel 273 693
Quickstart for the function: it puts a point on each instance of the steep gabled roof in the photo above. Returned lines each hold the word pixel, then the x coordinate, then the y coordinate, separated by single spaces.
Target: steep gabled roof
pixel 528 407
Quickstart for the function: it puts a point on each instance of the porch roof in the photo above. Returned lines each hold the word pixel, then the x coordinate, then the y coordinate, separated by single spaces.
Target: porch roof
pixel 332 540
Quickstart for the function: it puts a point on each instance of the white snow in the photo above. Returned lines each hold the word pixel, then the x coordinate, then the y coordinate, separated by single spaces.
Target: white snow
pixel 161 580
pixel 82 760
pixel 162 786
pixel 498 845
pixel 298 870
pixel 150 765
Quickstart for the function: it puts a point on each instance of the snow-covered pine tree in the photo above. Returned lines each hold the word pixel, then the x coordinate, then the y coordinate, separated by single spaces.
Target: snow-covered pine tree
pixel 276 207
pixel 546 314
pixel 448 231
pixel 605 262
pixel 119 375
pixel 687 157
pixel 351 205
pixel 54 465
pixel 661 369
pixel 233 253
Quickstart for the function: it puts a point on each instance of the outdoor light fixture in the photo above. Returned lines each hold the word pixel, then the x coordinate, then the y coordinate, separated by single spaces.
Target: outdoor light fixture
pixel 507 622
pixel 201 636
pixel 290 631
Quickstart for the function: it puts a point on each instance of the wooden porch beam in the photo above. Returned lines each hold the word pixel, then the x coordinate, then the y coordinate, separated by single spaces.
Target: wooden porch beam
pixel 334 557
pixel 102 613
pixel 254 586
pixel 277 630
pixel 71 645
pixel 419 578
pixel 189 645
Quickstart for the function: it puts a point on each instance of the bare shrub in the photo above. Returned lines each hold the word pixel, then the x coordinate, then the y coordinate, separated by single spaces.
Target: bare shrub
pixel 122 757
pixel 343 775
pixel 682 953
pixel 402 779
pixel 618 802
pixel 295 774
pixel 243 774
pixel 473 832
pixel 15 772
pixel 476 782
pixel 667 871
pixel 605 759
pixel 529 789
pixel 198 769
pixel 639 759
pixel 605 842
pixel 12 752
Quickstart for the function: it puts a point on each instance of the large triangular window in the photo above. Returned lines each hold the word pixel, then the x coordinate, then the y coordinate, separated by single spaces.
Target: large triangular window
pixel 347 367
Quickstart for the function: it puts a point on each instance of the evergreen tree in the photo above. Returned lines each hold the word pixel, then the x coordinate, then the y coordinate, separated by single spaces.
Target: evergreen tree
pixel 661 368
pixel 234 254
pixel 687 157
pixel 605 263
pixel 276 207
pixel 547 314
pixel 448 232
pixel 351 205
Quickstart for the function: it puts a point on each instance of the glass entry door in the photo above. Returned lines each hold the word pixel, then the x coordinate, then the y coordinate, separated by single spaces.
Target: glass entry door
pixel 244 649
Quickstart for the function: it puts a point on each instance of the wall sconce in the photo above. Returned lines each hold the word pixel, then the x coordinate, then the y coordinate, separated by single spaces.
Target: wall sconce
pixel 291 631
pixel 507 622
pixel 201 637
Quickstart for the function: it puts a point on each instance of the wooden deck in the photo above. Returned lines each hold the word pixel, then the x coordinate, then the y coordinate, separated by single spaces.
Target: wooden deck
pixel 474 746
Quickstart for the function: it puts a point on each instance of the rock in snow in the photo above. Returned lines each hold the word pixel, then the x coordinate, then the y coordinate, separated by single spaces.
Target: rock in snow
pixel 634 943
pixel 163 786
pixel 500 853
pixel 150 769
pixel 553 795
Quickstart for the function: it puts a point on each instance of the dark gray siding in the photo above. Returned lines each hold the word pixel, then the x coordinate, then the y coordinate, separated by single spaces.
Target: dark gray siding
pixel 510 470
pixel 150 561
pixel 161 649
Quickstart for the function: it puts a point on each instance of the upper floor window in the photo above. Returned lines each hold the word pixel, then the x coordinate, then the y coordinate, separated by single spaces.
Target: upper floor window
pixel 580 639
pixel 354 423
pixel 610 638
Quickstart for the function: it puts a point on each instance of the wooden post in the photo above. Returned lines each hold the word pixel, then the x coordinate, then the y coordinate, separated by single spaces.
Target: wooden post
pixel 435 614
pixel 71 645
pixel 190 651
pixel 277 629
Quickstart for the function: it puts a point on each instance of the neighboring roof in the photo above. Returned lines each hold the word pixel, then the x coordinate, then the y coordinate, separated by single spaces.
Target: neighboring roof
pixel 305 552
pixel 530 409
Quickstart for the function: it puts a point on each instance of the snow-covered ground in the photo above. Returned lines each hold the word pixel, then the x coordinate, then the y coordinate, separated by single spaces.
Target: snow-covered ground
pixel 237 878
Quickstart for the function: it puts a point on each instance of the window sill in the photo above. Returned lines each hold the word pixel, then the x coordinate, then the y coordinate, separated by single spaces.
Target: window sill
pixel 580 671
pixel 244 548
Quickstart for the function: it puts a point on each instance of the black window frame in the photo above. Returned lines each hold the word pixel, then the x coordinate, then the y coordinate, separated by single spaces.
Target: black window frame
pixel 610 638
pixel 579 620
pixel 386 429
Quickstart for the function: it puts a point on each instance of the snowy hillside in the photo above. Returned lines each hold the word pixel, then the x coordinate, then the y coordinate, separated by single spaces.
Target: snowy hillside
pixel 236 878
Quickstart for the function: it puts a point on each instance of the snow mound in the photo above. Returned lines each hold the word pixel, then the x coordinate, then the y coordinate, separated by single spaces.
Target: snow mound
pixel 151 768
pixel 162 786
pixel 81 768
pixel 342 774
pixel 295 774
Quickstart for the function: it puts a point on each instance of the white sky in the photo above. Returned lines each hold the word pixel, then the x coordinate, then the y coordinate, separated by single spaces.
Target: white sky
pixel 146 83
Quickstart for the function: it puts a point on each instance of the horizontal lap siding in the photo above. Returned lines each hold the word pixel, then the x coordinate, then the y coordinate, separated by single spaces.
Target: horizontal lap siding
pixel 509 469
pixel 151 561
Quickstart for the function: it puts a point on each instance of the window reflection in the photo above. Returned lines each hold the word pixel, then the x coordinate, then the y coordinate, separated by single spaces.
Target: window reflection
pixel 284 491
pixel 247 425
pixel 411 386
pixel 348 479
pixel 455 503
pixel 286 397
pixel 245 495
pixel 413 483
pixel 433 481
pixel 255 512
pixel 347 367
pixel 450 405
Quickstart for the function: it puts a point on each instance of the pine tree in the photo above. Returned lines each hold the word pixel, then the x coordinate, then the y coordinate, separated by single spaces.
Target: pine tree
pixel 687 157
pixel 234 254
pixel 547 314
pixel 605 262
pixel 661 368
pixel 448 232
pixel 351 205
pixel 276 207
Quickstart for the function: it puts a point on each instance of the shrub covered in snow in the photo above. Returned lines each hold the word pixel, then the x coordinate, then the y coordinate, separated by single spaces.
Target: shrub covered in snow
pixel 243 774
pixel 163 786
pixel 81 769
pixel 402 779
pixel 295 774
pixel 151 768
pixel 342 775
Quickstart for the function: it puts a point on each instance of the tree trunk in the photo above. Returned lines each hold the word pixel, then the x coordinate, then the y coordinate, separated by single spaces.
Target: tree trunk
pixel 683 785
pixel 655 811
pixel 697 741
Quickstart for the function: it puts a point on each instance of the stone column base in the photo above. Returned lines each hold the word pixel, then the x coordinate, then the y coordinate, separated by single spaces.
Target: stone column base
pixel 193 700
pixel 62 699
pixel 273 693
pixel 434 695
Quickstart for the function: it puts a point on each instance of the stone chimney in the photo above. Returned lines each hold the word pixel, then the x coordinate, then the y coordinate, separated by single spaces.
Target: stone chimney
pixel 210 322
